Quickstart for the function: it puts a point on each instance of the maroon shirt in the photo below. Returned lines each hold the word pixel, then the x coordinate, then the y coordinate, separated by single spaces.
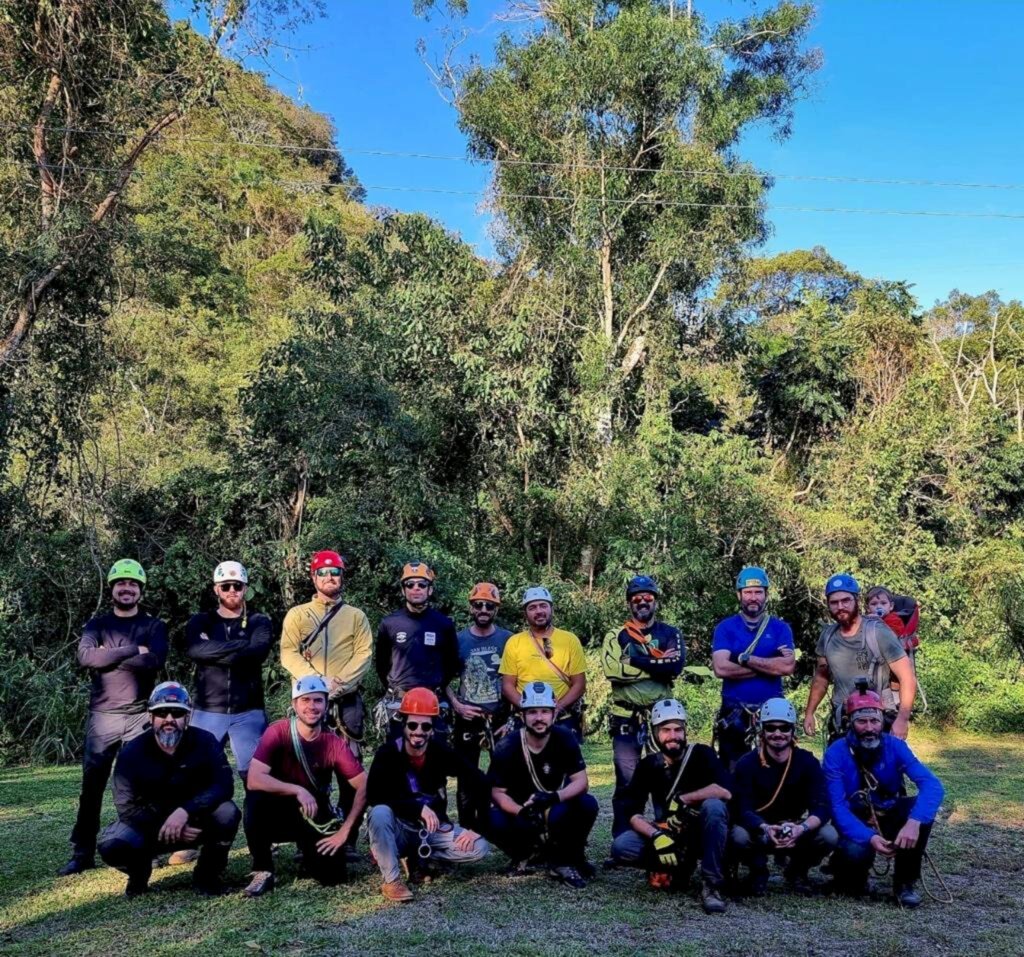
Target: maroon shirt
pixel 326 755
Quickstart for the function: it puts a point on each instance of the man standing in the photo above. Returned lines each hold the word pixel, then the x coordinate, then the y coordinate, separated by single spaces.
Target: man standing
pixel 548 654
pixel 751 652
pixel 229 646
pixel 289 795
pixel 852 647
pixel 539 787
pixel 687 788
pixel 416 646
pixel 780 804
pixel 123 649
pixel 865 773
pixel 641 661
pixel 479 707
pixel 172 789
pixel 408 793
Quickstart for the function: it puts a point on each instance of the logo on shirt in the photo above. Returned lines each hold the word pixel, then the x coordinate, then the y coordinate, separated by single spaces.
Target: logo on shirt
pixel 545 768
pixel 430 638
pixel 204 636
pixel 400 638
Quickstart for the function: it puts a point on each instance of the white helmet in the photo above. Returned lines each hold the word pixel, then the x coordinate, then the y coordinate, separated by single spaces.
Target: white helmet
pixel 668 709
pixel 309 684
pixel 538 694
pixel 776 709
pixel 536 594
pixel 230 572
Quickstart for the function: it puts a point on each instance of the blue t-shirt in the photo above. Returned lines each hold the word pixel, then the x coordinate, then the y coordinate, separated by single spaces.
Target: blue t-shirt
pixel 735 635
pixel 480 683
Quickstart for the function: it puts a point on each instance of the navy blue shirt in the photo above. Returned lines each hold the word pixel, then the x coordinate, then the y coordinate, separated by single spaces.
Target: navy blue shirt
pixel 416 651
pixel 735 635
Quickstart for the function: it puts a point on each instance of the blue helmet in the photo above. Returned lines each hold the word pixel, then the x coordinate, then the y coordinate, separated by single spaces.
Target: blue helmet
pixel 639 583
pixel 753 576
pixel 842 582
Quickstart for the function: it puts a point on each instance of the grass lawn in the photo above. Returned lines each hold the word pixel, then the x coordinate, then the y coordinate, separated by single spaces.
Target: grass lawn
pixel 978 844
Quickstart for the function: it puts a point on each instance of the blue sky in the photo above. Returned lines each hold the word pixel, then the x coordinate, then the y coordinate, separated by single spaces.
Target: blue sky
pixel 910 90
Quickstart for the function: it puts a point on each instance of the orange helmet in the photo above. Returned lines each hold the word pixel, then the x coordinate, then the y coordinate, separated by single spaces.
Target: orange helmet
pixel 417 570
pixel 419 701
pixel 485 591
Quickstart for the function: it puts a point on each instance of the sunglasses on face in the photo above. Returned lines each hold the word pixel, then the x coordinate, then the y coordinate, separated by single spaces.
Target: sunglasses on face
pixel 642 598
pixel 420 725
pixel 418 583
pixel 776 728
pixel 483 606
pixel 231 586
pixel 328 573
pixel 167 713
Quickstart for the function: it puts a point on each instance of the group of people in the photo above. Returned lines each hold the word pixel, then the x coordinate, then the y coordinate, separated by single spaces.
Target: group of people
pixel 449 696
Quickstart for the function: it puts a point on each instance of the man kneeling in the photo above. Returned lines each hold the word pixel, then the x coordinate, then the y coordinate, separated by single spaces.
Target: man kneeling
pixel 779 802
pixel 686 786
pixel 290 791
pixel 172 789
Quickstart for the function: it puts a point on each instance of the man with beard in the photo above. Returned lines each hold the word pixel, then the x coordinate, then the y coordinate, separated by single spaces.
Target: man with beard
pixel 408 794
pixel 779 802
pixel 688 788
pixel 865 773
pixel 548 654
pixel 289 795
pixel 751 652
pixel 479 708
pixel 853 646
pixel 641 661
pixel 417 647
pixel 172 789
pixel 539 787
pixel 123 650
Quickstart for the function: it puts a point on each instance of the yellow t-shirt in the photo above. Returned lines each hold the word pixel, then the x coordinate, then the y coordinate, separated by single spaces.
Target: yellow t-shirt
pixel 527 662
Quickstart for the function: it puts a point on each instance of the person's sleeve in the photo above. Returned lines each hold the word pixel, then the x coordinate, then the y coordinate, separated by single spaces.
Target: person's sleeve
pixel 743 797
pixel 889 646
pixel 131 809
pixel 352 674
pixel 850 826
pixel 346 764
pixel 213 648
pixel 91 654
pixel 385 787
pixel 719 641
pixel 257 646
pixel 266 747
pixel 929 788
pixel 665 670
pixel 451 664
pixel 156 657
pixel 382 655
pixel 577 660
pixel 785 639
pixel 497 773
pixel 819 645
pixel 717 772
pixel 817 801
pixel 509 665
pixel 220 785
pixel 291 657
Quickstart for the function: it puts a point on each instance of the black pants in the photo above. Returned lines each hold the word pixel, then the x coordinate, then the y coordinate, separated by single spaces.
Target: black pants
pixel 733 731
pixel 131 849
pixel 563 840
pixel 852 860
pixel 626 754
pixel 105 732
pixel 347 715
pixel 469 739
pixel 755 848
pixel 277 819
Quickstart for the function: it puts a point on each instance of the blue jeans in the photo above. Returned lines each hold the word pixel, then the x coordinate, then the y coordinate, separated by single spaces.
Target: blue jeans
pixel 244 729
pixel 755 848
pixel 563 837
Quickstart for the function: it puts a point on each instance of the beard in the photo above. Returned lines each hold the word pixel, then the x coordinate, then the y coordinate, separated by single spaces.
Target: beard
pixel 170 737
pixel 869 743
pixel 673 748
pixel 644 613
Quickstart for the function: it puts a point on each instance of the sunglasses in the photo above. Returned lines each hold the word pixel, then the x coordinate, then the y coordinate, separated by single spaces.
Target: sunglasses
pixel 328 573
pixel 774 728
pixel 483 605
pixel 167 713
pixel 420 725
pixel 642 598
pixel 231 586
pixel 416 583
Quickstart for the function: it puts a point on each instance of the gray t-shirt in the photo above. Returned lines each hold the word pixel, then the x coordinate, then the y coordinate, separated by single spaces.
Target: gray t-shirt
pixel 479 681
pixel 852 658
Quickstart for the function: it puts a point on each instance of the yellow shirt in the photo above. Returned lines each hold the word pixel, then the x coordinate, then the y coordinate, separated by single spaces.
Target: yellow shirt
pixel 343 652
pixel 524 659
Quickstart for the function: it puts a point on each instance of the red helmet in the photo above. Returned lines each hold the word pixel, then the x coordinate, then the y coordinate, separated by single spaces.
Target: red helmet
pixel 863 701
pixel 419 701
pixel 326 559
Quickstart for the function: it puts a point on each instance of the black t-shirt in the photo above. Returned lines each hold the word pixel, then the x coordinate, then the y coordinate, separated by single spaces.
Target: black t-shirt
pixel 560 758
pixel 416 651
pixel 654 778
pixel 802 793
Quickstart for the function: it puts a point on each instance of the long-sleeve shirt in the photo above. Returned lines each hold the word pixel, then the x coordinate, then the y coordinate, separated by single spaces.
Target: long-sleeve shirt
pixel 417 651
pixel 803 792
pixel 341 650
pixel 122 678
pixel 638 677
pixel 229 653
pixel 845 779
pixel 149 783
pixel 394 781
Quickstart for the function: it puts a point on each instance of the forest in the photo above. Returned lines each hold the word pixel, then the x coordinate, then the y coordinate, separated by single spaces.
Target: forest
pixel 212 347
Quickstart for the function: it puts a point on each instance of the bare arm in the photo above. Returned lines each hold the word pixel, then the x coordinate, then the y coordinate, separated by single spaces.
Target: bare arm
pixel 578 784
pixel 509 691
pixel 819 685
pixel 781 665
pixel 577 686
pixel 903 669
pixel 724 668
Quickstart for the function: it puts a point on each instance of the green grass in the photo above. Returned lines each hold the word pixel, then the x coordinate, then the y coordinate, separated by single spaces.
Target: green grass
pixel 978 843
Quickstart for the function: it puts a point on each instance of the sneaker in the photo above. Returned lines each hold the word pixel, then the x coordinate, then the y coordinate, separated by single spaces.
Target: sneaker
pixel 396 891
pixel 587 870
pixel 76 865
pixel 182 857
pixel 907 896
pixel 568 875
pixel 137 886
pixel 711 900
pixel 260 884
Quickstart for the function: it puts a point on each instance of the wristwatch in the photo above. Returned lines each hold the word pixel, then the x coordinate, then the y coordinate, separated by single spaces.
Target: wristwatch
pixel 744 658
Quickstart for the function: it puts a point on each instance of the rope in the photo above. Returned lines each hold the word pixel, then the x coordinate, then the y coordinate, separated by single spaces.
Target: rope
pixel 782 780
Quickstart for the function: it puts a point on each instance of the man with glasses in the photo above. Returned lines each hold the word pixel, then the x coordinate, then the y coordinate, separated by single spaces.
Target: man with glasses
pixel 407 790
pixel 172 789
pixel 479 708
pixel 123 651
pixel 417 647
pixel 641 660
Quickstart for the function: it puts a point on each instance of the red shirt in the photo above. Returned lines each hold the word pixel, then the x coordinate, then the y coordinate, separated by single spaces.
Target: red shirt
pixel 326 755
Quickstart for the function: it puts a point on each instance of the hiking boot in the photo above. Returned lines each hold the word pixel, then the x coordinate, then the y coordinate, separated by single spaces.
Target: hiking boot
pixel 711 900
pixel 587 870
pixel 396 891
pixel 907 896
pixel 76 865
pixel 182 857
pixel 757 884
pixel 209 887
pixel 568 875
pixel 136 887
pixel 261 883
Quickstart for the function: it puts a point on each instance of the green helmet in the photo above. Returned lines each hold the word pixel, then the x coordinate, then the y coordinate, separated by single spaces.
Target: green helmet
pixel 126 568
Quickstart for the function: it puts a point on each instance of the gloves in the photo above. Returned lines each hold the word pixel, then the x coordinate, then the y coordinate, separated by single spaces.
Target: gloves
pixel 542 800
pixel 533 817
pixel 664 846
